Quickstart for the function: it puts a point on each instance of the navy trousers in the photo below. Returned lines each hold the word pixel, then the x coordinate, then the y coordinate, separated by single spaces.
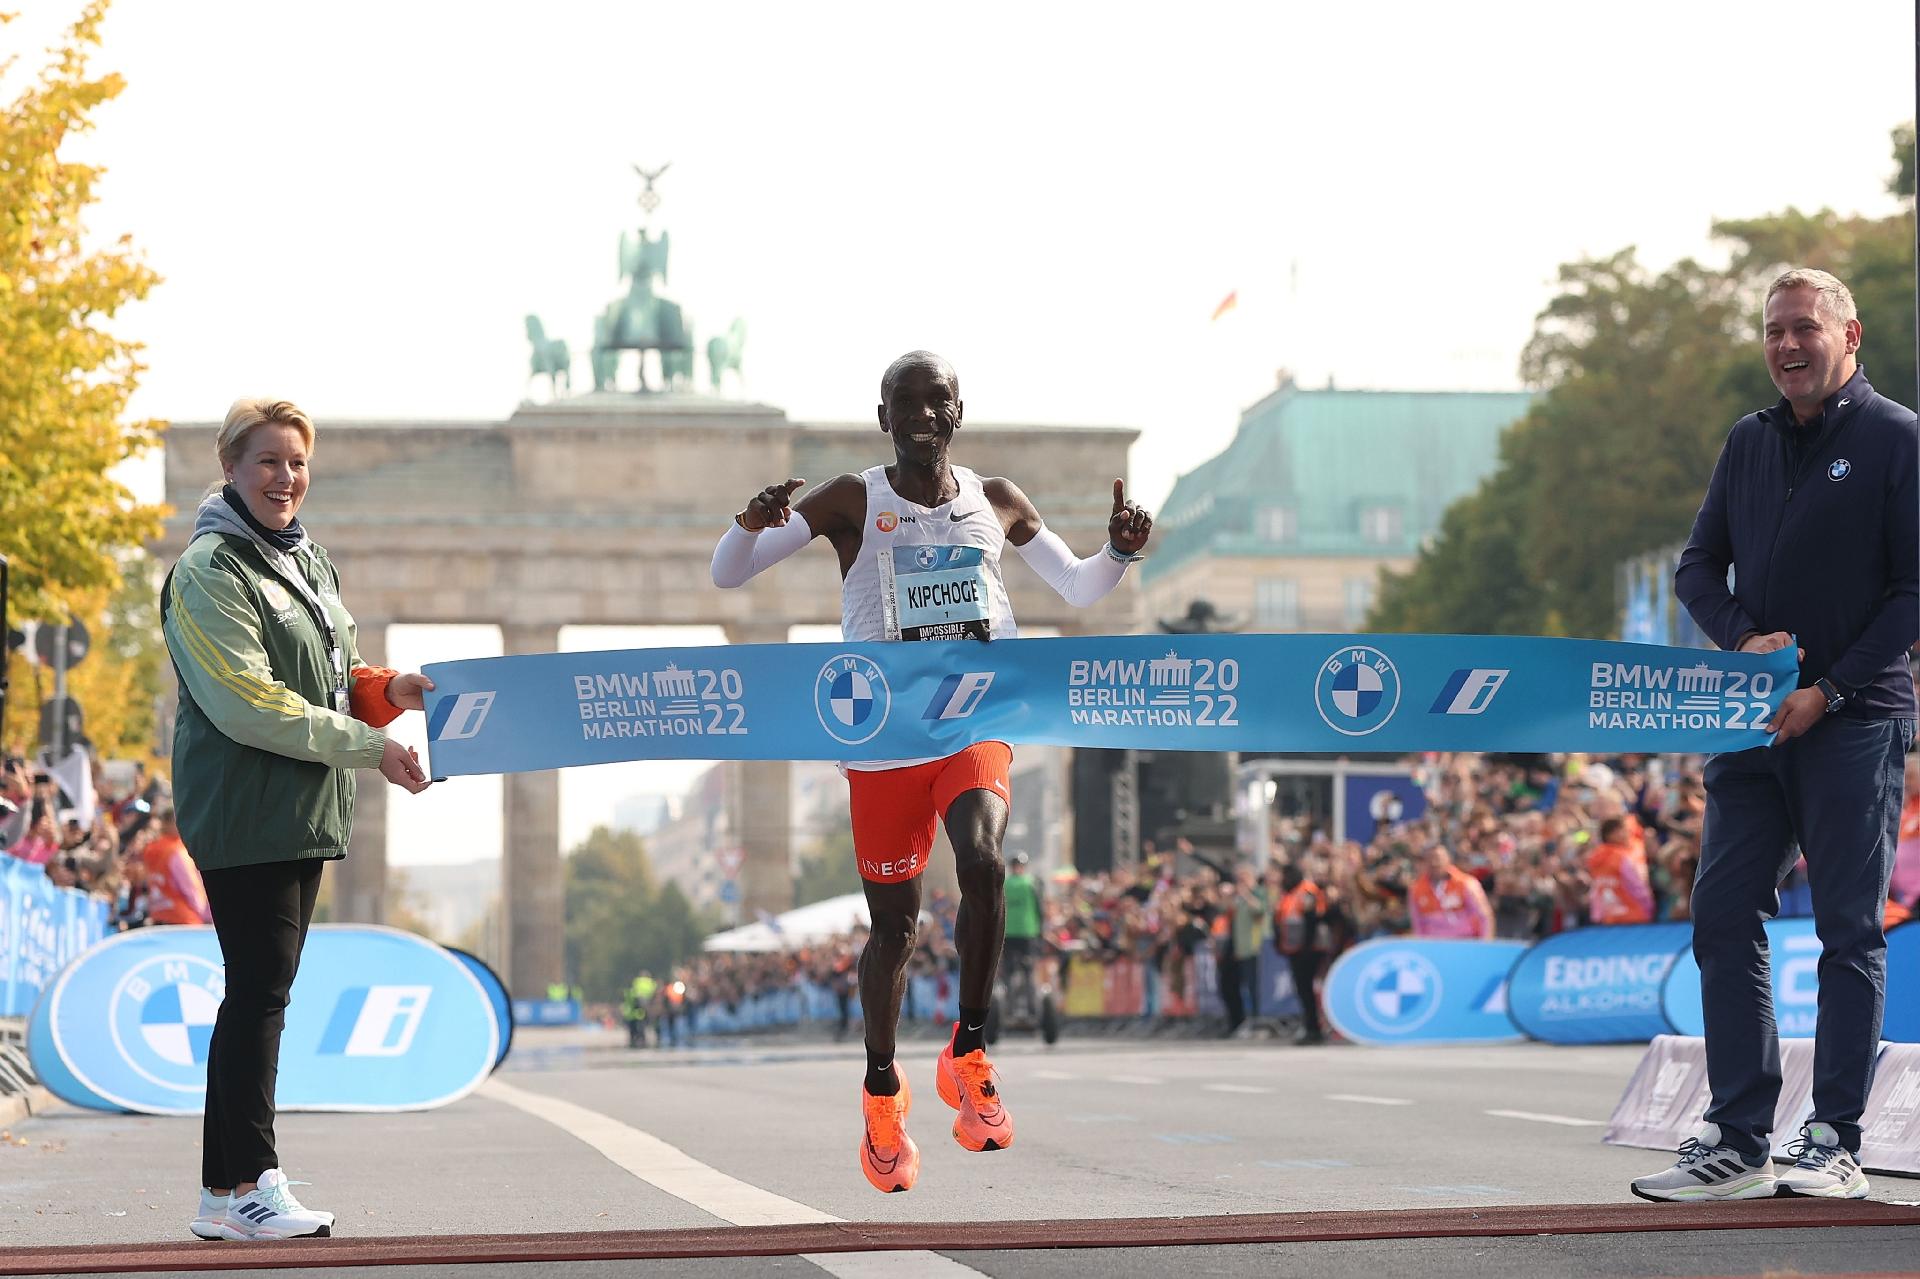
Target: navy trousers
pixel 1835 791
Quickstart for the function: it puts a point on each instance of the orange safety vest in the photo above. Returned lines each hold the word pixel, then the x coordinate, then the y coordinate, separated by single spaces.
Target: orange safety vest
pixel 1621 894
pixel 175 893
pixel 1454 909
pixel 1295 920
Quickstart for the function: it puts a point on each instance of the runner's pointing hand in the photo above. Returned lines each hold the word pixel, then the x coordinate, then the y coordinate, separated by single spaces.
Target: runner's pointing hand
pixel 1131 524
pixel 770 507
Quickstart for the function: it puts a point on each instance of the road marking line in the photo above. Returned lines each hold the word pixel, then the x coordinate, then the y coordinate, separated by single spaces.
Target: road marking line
pixel 1052 1074
pixel 1246 1088
pixel 1134 1079
pixel 1369 1100
pixel 668 1168
pixel 1538 1118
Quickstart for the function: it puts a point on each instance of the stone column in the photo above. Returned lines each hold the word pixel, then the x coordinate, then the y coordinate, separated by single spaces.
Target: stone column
pixel 532 892
pixel 763 814
pixel 360 882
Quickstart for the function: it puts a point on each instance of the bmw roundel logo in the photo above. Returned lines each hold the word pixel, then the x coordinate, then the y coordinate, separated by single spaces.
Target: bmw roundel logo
pixel 162 1019
pixel 851 697
pixel 1357 690
pixel 1840 469
pixel 1398 991
pixel 926 556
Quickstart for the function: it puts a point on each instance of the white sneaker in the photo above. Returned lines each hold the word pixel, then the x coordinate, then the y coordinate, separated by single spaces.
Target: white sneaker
pixel 1708 1169
pixel 1822 1169
pixel 271 1212
pixel 206 1223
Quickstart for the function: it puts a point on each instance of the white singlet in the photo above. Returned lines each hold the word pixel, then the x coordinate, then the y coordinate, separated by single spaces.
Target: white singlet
pixel 925 573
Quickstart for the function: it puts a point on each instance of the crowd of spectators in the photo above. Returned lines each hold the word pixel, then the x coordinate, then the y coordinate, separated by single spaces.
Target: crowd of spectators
pixel 127 851
pixel 1507 846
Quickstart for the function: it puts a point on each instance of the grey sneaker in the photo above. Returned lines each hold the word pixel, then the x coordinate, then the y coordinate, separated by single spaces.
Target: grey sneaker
pixel 213 1208
pixel 1708 1169
pixel 1822 1169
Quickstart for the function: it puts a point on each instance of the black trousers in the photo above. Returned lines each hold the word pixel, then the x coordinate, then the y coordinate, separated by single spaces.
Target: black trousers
pixel 1233 991
pixel 1305 966
pixel 260 914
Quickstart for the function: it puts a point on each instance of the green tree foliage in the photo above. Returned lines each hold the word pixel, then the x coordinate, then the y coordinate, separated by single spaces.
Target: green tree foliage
pixel 64 380
pixel 1643 375
pixel 619 921
pixel 828 870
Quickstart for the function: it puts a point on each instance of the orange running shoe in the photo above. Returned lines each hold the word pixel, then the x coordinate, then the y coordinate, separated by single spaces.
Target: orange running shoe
pixel 887 1155
pixel 971 1086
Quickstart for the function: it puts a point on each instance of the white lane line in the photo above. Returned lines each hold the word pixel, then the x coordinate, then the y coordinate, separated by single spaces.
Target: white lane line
pixel 1052 1074
pixel 1134 1079
pixel 670 1169
pixel 1365 1099
pixel 1245 1088
pixel 1567 1121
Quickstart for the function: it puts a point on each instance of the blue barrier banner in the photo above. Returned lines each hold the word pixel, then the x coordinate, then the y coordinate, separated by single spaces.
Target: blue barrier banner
pixel 379 1020
pixel 1341 693
pixel 1278 998
pixel 546 1012
pixel 1596 985
pixel 1407 990
pixel 1902 1024
pixel 497 998
pixel 1796 983
pixel 42 926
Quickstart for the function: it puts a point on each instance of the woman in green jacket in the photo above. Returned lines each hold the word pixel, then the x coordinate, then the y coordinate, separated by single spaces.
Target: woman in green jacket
pixel 275 714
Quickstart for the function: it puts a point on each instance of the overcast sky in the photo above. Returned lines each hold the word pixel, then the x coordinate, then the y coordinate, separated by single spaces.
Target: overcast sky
pixel 354 205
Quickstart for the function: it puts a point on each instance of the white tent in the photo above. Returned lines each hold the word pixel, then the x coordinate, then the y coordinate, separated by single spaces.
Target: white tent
pixel 801 926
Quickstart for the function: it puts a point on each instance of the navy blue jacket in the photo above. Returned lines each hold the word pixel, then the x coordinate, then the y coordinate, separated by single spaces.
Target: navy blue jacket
pixel 1821 524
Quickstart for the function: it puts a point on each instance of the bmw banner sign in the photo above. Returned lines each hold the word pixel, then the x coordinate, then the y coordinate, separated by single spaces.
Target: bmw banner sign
pixel 1596 985
pixel 1903 985
pixel 497 997
pixel 1796 983
pixel 378 1020
pixel 1423 991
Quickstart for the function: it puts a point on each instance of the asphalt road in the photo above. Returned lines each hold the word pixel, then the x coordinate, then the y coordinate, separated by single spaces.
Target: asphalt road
pixel 577 1134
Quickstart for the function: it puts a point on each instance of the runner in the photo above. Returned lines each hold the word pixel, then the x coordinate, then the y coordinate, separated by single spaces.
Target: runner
pixel 874 520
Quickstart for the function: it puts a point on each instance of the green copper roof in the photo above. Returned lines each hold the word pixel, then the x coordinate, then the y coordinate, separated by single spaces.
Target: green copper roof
pixel 1335 473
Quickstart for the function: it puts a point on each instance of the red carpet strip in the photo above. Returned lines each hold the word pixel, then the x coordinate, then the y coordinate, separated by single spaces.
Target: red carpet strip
pixel 968 1236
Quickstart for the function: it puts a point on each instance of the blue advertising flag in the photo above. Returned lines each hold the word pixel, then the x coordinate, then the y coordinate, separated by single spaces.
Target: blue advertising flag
pixel 378 1019
pixel 1410 990
pixel 1300 693
pixel 1596 985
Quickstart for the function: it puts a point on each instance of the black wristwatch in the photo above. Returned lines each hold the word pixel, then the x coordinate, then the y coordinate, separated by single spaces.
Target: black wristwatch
pixel 1835 698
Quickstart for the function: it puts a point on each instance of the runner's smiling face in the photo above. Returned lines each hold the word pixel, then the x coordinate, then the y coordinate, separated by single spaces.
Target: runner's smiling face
pixel 921 414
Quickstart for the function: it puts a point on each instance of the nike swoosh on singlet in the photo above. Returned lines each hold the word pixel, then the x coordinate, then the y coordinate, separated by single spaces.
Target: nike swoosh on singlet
pixel 957 516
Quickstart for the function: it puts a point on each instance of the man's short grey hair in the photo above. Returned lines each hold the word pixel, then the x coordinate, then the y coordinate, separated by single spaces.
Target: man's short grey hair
pixel 914 360
pixel 1835 295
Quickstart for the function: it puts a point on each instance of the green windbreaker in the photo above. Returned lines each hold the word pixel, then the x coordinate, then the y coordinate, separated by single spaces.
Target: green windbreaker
pixel 262 763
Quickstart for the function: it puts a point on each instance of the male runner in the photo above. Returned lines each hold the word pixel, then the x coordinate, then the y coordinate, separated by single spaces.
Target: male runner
pixel 885 512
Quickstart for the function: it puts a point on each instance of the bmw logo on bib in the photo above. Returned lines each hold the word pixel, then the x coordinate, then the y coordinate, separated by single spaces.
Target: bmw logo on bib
pixel 1357 690
pixel 851 698
pixel 1399 991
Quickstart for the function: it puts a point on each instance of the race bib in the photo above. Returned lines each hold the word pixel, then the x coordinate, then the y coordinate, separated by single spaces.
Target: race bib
pixel 935 592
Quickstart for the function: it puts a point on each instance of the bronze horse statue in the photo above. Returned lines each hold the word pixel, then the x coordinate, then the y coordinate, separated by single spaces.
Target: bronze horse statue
pixel 550 358
pixel 643 320
pixel 723 353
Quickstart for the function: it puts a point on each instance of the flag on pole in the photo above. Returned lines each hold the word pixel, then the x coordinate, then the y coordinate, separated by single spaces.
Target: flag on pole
pixel 1227 304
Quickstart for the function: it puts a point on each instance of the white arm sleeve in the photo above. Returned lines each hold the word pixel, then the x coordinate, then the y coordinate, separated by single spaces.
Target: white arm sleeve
pixel 1078 582
pixel 741 554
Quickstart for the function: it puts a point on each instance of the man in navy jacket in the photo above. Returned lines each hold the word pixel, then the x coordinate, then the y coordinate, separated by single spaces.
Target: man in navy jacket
pixel 1813 505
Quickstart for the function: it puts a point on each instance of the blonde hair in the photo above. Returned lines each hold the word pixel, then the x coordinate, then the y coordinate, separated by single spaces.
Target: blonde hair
pixel 1833 294
pixel 247 414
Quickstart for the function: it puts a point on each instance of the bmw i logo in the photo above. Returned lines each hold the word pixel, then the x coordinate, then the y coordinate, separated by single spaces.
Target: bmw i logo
pixel 1357 690
pixel 162 1019
pixel 851 697
pixel 1840 469
pixel 1399 991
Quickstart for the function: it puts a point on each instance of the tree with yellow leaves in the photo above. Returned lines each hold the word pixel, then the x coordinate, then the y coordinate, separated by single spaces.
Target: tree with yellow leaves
pixel 64 379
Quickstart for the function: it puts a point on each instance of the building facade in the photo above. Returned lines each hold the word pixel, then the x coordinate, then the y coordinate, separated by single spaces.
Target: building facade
pixel 1289 528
